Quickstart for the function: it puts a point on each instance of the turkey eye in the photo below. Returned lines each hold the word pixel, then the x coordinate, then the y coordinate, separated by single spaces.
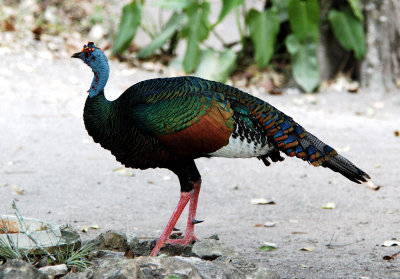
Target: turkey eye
pixel 86 54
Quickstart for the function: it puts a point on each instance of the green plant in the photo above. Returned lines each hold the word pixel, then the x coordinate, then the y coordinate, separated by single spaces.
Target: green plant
pixel 189 21
pixel 76 258
pixel 7 251
pixel 62 252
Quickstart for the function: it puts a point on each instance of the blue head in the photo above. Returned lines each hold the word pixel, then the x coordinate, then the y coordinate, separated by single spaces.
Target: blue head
pixel 95 59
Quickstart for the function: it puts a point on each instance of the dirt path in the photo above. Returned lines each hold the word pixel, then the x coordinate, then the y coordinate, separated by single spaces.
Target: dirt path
pixel 67 178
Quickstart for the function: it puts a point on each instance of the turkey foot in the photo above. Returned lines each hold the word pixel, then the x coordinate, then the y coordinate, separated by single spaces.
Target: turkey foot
pixel 193 197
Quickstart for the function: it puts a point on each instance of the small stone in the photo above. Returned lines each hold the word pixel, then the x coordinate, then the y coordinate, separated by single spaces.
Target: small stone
pixel 54 270
pixel 20 269
pixel 214 236
pixel 113 240
pixel 117 268
pixel 210 249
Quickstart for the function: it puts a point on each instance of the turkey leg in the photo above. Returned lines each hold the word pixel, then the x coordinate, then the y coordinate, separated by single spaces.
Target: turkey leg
pixel 189 233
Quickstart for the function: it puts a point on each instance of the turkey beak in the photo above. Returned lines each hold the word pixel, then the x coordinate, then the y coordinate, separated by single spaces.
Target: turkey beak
pixel 77 55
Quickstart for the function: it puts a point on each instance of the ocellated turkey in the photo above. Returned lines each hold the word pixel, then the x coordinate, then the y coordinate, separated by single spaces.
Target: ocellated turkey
pixel 169 122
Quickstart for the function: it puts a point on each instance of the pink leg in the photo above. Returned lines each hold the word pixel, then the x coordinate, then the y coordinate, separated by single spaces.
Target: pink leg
pixel 189 233
pixel 185 196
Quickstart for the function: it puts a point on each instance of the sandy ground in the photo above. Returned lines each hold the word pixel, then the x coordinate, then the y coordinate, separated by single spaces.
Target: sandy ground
pixel 66 178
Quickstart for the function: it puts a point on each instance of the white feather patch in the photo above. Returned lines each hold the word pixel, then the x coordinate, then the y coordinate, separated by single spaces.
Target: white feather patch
pixel 241 149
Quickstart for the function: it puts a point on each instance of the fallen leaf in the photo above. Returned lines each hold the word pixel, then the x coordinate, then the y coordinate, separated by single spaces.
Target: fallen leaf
pixel 392 257
pixel 124 171
pixel 84 229
pixel 17 190
pixel 269 224
pixel 397 133
pixel 307 249
pixel 299 233
pixel 95 227
pixel 329 205
pixel 305 266
pixel 389 243
pixel 268 246
pixel 261 201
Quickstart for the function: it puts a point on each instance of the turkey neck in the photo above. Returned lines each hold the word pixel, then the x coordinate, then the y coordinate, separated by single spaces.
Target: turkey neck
pixel 96 115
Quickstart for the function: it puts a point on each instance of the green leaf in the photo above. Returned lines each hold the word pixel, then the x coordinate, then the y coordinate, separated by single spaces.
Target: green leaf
pixel 130 21
pixel 198 20
pixel 227 7
pixel 196 30
pixel 355 6
pixel 267 248
pixel 264 28
pixel 304 19
pixel 192 53
pixel 172 4
pixel 304 62
pixel 216 65
pixel 349 31
pixel 166 33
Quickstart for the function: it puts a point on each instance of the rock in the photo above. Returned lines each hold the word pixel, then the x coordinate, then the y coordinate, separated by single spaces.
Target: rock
pixel 19 269
pixel 104 254
pixel 88 273
pixel 140 247
pixel 42 262
pixel 113 241
pixel 248 268
pixel 210 249
pixel 186 267
pixel 116 268
pixel 264 273
pixel 54 270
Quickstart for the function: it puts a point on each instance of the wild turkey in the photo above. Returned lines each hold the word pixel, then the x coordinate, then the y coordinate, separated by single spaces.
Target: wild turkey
pixel 169 122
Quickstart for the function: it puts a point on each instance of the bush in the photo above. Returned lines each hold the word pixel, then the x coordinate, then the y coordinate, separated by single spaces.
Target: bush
pixel 190 22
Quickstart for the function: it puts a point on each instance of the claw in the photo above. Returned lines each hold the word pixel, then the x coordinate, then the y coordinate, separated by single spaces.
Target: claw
pixel 175 229
pixel 194 222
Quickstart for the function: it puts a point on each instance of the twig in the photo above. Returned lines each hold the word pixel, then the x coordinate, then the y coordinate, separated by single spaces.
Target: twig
pixel 331 246
pixel 23 230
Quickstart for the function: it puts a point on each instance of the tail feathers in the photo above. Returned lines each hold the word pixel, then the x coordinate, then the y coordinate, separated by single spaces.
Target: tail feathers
pixel 341 165
pixel 321 154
